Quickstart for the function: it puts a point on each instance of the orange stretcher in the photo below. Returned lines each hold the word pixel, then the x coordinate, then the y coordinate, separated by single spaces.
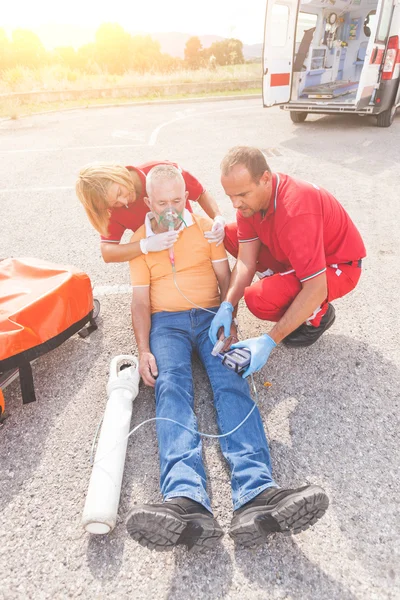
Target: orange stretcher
pixel 41 305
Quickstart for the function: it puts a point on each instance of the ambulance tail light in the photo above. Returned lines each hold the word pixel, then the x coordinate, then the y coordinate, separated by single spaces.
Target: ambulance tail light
pixel 392 58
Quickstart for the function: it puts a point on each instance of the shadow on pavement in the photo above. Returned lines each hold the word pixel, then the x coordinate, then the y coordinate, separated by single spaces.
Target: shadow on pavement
pixel 23 436
pixel 281 565
pixel 310 139
pixel 205 574
pixel 338 427
pixel 105 552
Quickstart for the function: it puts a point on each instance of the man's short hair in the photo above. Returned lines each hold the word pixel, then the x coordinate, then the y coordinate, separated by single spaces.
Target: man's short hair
pixel 251 158
pixel 161 173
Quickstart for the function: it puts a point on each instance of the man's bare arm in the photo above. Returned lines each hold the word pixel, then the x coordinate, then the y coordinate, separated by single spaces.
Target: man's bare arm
pixel 313 293
pixel 244 270
pixel 141 321
pixel 223 275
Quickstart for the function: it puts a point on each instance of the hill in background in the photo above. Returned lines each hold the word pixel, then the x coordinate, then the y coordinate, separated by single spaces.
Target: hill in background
pixel 173 43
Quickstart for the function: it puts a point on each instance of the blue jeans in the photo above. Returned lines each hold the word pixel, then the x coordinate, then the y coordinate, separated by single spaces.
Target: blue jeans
pixel 173 337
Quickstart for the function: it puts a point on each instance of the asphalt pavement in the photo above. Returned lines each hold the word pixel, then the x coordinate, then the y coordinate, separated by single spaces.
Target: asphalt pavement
pixel 331 412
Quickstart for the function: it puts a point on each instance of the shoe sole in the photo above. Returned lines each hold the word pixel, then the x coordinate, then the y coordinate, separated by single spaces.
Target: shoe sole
pixel 160 530
pixel 290 344
pixel 291 515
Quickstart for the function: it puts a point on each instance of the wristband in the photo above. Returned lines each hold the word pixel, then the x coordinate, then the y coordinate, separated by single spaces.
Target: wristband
pixel 143 246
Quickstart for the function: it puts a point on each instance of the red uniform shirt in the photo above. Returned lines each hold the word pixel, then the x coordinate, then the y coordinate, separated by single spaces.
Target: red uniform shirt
pixel 305 228
pixel 133 217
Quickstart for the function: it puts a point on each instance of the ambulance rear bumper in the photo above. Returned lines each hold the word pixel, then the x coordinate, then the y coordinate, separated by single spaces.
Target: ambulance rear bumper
pixel 325 108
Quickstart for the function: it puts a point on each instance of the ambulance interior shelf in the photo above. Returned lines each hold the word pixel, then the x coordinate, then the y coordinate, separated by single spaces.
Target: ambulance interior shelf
pixel 331 44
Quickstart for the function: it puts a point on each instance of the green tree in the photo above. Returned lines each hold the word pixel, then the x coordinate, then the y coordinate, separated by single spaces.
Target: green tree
pixel 4 50
pixel 193 53
pixel 169 64
pixel 227 52
pixel 144 53
pixel 66 55
pixel 26 49
pixel 86 58
pixel 112 47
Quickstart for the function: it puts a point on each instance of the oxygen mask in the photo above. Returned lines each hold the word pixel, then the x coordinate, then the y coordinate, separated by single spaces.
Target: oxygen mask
pixel 169 218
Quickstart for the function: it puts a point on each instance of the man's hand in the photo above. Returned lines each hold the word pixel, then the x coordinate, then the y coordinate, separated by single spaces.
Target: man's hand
pixel 160 241
pixel 217 232
pixel 260 348
pixel 148 368
pixel 223 318
pixel 228 341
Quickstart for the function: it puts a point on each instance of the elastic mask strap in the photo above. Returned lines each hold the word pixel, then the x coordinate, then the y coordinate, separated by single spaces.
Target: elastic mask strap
pixel 182 219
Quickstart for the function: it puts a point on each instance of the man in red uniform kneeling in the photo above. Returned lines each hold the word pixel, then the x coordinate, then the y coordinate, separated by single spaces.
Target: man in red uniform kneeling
pixel 302 242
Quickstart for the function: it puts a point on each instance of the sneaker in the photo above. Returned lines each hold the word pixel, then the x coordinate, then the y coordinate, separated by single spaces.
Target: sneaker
pixel 176 521
pixel 277 510
pixel 305 335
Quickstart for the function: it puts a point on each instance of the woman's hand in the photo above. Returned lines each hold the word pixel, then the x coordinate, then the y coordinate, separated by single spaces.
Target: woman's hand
pixel 160 241
pixel 217 233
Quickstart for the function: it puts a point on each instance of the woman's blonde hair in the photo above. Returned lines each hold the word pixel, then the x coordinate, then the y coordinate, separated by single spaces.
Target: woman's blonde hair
pixel 92 186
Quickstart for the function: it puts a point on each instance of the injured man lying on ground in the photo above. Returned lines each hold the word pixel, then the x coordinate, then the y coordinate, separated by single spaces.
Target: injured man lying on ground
pixel 176 294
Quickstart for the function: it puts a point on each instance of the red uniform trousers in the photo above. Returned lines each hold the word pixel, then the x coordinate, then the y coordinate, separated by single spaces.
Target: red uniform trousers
pixel 269 298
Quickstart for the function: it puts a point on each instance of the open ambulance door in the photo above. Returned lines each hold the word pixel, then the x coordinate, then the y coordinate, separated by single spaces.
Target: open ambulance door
pixel 279 39
pixel 371 71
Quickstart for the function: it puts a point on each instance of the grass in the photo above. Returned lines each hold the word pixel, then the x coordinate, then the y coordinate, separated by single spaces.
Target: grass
pixel 58 78
pixel 15 110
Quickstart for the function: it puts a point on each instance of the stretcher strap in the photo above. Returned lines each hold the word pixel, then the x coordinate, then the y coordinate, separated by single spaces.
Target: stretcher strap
pixel 22 360
pixel 26 381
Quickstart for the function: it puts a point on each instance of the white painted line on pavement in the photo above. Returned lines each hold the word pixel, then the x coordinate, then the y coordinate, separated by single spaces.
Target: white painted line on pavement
pixel 153 137
pixel 351 160
pixel 151 142
pixel 111 290
pixel 74 148
pixel 36 189
pixel 25 150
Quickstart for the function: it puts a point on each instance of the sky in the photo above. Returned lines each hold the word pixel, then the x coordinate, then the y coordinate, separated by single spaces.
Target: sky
pixel 243 19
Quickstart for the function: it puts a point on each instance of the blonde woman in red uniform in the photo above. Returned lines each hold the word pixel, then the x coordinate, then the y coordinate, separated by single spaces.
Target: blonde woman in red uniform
pixel 113 198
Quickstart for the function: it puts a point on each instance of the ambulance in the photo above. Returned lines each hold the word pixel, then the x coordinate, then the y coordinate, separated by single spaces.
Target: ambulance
pixel 332 57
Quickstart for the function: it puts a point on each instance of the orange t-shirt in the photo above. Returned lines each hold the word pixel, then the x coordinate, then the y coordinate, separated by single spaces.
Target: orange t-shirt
pixel 194 271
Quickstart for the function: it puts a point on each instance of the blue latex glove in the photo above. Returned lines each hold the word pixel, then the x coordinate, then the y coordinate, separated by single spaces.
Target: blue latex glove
pixel 223 318
pixel 260 348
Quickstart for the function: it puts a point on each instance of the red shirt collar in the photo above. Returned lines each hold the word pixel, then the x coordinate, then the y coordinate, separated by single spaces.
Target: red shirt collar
pixel 274 196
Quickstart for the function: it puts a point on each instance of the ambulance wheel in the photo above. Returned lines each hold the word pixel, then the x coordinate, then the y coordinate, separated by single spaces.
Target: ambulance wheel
pixel 96 308
pixel 298 117
pixel 385 118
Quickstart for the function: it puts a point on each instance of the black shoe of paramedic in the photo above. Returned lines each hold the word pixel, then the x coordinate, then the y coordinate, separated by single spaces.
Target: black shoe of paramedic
pixel 305 335
pixel 278 510
pixel 176 521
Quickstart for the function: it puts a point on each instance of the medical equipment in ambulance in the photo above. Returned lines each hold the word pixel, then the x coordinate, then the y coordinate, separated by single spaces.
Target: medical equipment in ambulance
pixel 336 57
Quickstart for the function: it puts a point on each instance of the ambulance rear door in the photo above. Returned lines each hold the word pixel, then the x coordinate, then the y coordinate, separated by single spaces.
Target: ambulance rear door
pixel 371 72
pixel 279 38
